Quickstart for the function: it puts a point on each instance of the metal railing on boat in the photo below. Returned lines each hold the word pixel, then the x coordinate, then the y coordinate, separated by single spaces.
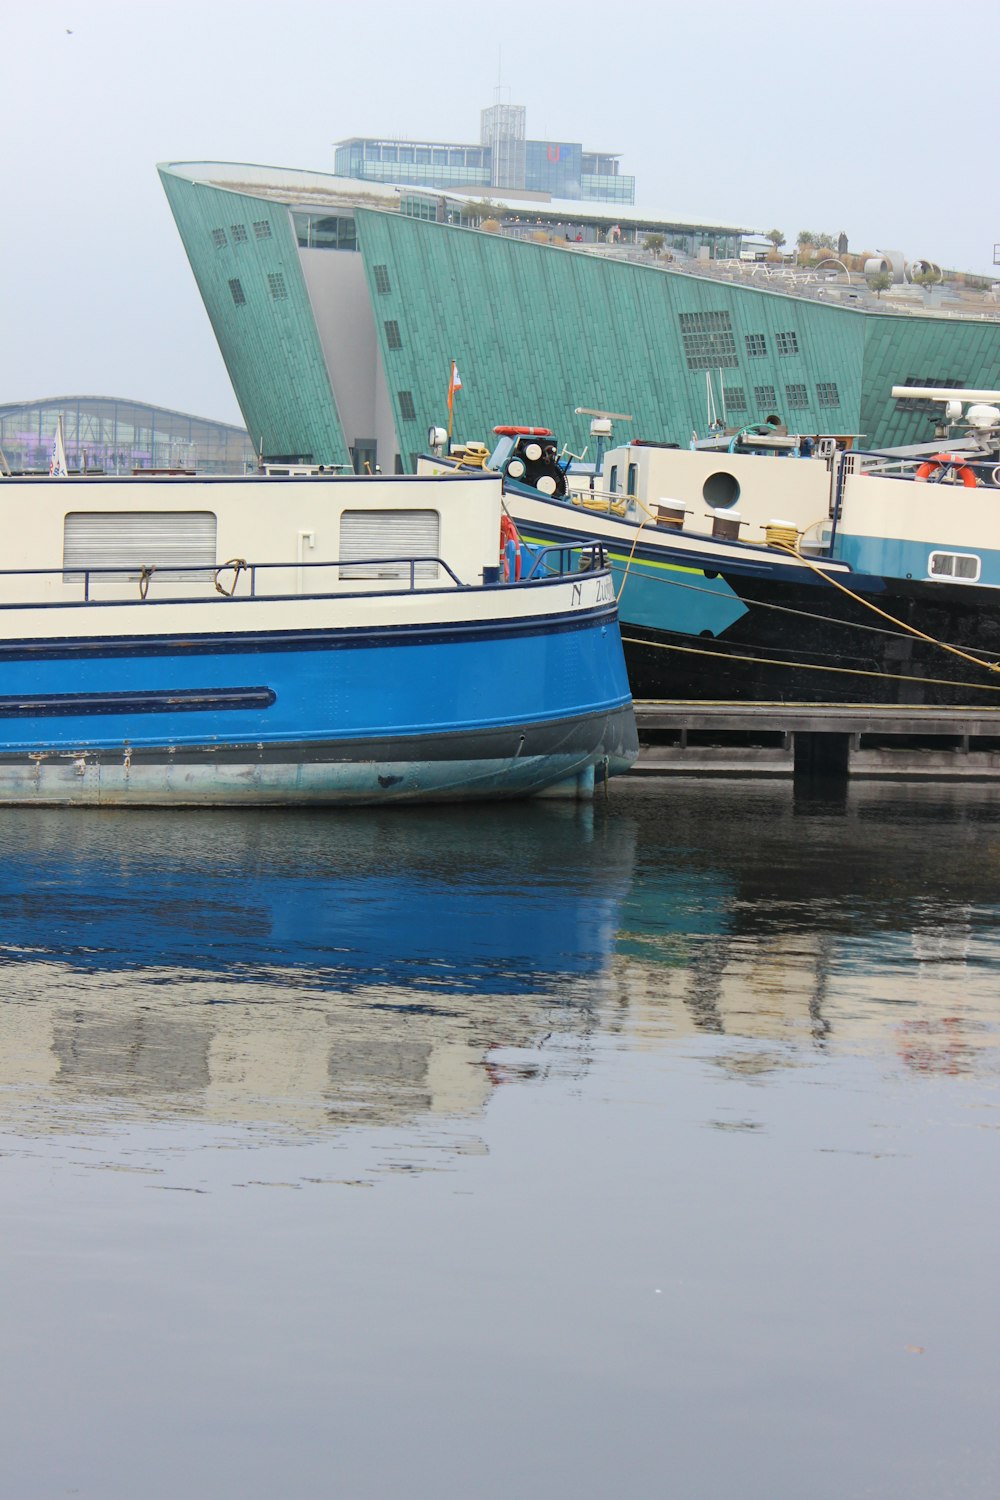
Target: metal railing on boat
pixel 238 578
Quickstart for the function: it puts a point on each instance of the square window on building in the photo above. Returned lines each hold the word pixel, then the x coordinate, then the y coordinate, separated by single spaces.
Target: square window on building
pixel 262 229
pixel 765 398
pixel 276 285
pixel 735 398
pixel 827 393
pixel 239 296
pixel 708 341
pixel 407 410
pixel 788 343
pixel 381 276
pixel 756 345
pixel 238 232
pixel 392 338
pixel 797 396
pixel 219 239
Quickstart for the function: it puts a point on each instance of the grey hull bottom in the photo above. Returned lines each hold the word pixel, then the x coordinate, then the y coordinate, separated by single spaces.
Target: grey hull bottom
pixel 561 759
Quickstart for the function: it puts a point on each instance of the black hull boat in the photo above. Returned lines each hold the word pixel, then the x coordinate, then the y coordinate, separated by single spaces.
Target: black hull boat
pixel 762 566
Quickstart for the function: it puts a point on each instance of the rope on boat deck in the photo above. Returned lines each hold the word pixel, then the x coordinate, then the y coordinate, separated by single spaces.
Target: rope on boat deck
pixel 237 564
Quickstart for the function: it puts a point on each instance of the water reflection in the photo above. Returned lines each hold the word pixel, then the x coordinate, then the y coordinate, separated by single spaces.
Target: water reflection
pixel 865 923
pixel 680 1117
pixel 313 972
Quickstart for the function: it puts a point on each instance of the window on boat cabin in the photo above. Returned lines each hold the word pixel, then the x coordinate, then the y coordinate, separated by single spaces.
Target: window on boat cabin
pixel 756 345
pixel 239 233
pixel 962 565
pixel 380 543
pixel 276 286
pixel 827 393
pixel 734 397
pixel 219 239
pixel 238 294
pixel 613 480
pixel 633 475
pixel 788 343
pixel 796 397
pixel 178 544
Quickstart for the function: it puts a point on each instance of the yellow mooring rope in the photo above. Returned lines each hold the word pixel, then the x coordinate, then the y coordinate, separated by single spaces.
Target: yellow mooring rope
pixel 989 666
pixel 779 537
pixel 806 666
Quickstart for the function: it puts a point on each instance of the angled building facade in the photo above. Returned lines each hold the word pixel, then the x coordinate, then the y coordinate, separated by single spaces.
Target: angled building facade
pixel 339 306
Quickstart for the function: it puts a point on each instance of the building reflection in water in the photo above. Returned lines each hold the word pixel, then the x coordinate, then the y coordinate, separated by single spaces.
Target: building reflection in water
pixel 307 972
pixel 868 925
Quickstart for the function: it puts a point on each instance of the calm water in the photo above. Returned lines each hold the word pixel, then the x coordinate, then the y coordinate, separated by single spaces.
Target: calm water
pixel 644 1150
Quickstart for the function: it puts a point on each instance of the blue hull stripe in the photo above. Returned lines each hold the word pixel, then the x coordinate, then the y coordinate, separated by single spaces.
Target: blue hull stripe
pixel 189 700
pixel 301 687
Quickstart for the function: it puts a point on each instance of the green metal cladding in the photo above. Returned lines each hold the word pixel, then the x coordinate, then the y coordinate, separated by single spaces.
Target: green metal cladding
pixel 538 330
pixel 252 285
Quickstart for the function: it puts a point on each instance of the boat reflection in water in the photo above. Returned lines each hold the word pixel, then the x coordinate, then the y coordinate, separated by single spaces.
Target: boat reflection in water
pixel 294 970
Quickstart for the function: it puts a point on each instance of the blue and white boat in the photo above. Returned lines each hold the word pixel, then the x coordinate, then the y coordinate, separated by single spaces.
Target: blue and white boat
pixel 295 638
pixel 767 566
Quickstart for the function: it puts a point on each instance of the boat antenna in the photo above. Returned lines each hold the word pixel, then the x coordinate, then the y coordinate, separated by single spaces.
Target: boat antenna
pixel 600 430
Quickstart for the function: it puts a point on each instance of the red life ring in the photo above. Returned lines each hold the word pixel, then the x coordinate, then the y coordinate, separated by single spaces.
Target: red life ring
pixel 954 461
pixel 508 534
pixel 522 431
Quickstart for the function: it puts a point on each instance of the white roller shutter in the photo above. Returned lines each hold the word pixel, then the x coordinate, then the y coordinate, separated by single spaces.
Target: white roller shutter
pixel 165 540
pixel 398 534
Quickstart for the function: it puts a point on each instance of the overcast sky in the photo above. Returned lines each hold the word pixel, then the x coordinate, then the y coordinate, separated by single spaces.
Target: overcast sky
pixel 874 119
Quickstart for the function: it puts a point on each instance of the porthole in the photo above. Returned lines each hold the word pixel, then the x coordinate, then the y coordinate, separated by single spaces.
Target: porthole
pixel 721 490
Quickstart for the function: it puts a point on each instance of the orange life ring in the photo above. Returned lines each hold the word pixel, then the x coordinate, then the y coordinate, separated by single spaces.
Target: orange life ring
pixel 954 461
pixel 508 534
pixel 522 431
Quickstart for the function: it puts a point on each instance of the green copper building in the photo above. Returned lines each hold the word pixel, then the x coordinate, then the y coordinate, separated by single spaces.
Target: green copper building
pixel 339 306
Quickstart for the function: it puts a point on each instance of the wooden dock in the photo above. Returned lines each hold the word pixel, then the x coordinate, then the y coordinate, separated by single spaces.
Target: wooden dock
pixel 789 739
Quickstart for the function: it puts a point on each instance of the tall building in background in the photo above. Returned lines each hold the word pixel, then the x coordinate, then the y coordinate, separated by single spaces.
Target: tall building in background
pixel 503 160
pixel 339 307
pixel 501 131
